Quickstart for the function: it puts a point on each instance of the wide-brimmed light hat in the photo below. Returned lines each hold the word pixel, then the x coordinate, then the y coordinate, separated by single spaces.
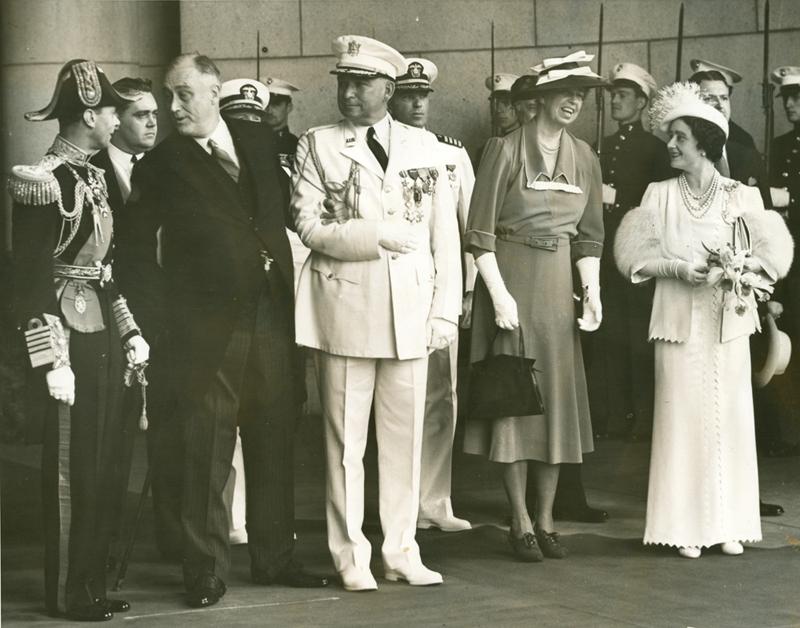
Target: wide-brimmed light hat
pixel 779 353
pixel 680 100
pixel 568 72
pixel 363 56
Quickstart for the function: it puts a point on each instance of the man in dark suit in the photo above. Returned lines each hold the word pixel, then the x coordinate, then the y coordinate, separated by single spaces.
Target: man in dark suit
pixel 221 302
pixel 135 135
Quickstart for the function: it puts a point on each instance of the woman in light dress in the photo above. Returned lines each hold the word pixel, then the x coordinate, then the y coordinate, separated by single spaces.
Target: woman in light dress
pixel 703 487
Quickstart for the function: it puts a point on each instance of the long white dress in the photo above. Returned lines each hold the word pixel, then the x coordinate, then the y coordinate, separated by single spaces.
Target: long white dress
pixel 703 487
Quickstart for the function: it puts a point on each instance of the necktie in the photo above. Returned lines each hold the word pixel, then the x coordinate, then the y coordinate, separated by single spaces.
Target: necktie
pixel 224 159
pixel 134 159
pixel 376 148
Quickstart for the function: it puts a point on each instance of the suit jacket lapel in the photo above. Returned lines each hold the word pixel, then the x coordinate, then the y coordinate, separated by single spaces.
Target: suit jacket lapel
pixel 397 141
pixel 197 167
pixel 357 150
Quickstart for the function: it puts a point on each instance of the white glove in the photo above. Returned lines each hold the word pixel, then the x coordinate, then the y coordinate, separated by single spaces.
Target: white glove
pixel 609 194
pixel 441 334
pixel 589 271
pixel 505 307
pixel 137 350
pixel 61 384
pixel 780 197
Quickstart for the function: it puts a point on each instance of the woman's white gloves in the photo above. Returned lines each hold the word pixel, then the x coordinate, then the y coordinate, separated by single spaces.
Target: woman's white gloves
pixel 589 271
pixel 505 307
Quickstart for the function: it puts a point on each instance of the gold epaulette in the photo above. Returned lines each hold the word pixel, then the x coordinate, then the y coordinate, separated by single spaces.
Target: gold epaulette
pixel 36 184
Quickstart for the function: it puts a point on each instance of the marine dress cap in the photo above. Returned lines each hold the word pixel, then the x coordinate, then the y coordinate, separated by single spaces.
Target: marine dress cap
pixel 243 95
pixel 701 65
pixel 787 77
pixel 635 74
pixel 501 83
pixel 680 100
pixel 279 87
pixel 419 75
pixel 363 56
pixel 81 84
pixel 572 71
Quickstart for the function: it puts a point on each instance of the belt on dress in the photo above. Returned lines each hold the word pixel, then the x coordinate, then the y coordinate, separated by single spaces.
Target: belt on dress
pixel 98 272
pixel 548 243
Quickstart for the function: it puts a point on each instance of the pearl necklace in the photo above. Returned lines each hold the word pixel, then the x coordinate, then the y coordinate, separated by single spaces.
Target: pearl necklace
pixel 698 204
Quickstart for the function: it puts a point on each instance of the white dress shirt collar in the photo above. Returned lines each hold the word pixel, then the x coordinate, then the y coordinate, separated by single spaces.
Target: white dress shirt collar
pixel 222 137
pixel 383 130
pixel 123 168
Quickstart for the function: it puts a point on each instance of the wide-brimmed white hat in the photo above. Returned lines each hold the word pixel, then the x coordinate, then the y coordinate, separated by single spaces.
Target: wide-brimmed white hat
pixel 681 100
pixel 779 353
pixel 567 72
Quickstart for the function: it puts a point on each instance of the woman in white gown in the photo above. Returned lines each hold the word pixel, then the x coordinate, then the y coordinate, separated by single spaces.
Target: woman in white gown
pixel 703 487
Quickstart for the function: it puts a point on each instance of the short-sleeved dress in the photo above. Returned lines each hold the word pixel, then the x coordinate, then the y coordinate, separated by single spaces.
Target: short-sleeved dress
pixel 536 225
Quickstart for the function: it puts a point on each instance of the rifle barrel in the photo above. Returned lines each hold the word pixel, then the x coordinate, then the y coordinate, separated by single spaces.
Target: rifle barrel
pixel 679 60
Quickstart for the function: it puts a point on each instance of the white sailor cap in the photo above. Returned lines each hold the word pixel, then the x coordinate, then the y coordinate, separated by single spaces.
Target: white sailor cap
pixel 572 71
pixel 363 56
pixel 500 83
pixel 634 74
pixel 419 75
pixel 787 77
pixel 247 94
pixel 279 87
pixel 701 65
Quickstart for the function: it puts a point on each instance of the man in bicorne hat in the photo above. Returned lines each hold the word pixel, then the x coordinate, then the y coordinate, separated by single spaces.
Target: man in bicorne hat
pixel 79 333
pixel 380 291
pixel 410 105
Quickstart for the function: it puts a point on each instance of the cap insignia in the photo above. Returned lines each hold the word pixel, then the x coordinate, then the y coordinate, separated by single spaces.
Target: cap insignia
pixel 248 91
pixel 353 47
pixel 415 70
pixel 88 83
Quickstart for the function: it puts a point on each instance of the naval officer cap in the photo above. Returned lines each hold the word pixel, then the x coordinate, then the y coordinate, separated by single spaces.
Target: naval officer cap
pixel 570 72
pixel 701 66
pixel 366 57
pixel 80 85
pixel 500 84
pixel 279 87
pixel 788 78
pixel 243 95
pixel 623 74
pixel 418 76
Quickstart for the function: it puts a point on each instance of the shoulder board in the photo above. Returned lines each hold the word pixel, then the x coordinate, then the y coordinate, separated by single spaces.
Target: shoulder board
pixel 36 184
pixel 314 129
pixel 446 139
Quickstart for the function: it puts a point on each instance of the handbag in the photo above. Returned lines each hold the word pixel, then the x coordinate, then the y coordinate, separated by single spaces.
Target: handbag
pixel 504 385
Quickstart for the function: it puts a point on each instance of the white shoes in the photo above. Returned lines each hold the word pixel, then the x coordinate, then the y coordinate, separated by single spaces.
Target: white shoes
pixel 416 575
pixel 358 580
pixel 449 523
pixel 689 552
pixel 732 548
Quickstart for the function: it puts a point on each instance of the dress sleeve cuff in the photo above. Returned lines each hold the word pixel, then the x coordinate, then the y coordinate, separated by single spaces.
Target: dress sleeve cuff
pixel 586 248
pixel 480 240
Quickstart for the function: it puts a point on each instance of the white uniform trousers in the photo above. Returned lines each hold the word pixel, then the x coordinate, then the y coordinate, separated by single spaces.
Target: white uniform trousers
pixel 438 433
pixel 346 387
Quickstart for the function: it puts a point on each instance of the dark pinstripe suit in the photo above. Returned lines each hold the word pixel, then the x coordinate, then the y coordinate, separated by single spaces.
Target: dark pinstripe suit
pixel 228 327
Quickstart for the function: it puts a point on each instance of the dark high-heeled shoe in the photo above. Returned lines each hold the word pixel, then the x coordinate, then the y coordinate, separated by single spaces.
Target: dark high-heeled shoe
pixel 548 541
pixel 525 548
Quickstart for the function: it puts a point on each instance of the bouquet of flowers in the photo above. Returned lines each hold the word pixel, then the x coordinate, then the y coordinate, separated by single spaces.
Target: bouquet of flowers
pixel 728 268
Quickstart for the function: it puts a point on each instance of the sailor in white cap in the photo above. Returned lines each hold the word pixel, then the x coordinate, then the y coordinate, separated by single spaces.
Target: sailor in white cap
pixel 379 292
pixel 740 159
pixel 504 118
pixel 785 155
pixel 243 99
pixel 621 365
pixel 277 114
pixel 717 83
pixel 410 105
